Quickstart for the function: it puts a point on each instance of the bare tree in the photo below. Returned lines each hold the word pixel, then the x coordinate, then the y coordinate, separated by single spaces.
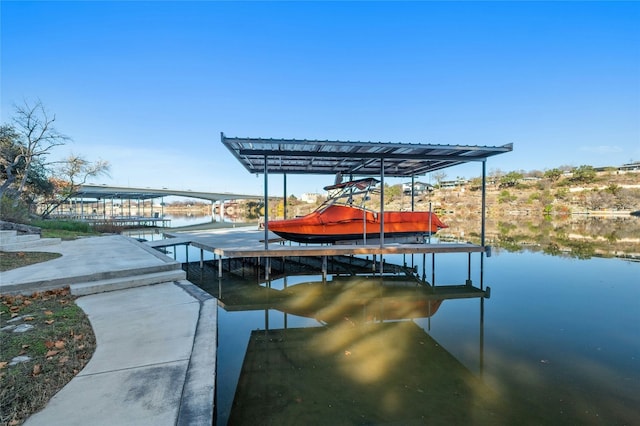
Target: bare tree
pixel 72 173
pixel 37 136
pixel 9 157
pixel 439 177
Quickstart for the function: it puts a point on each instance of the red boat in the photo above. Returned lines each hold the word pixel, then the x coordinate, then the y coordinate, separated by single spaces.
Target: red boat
pixel 344 218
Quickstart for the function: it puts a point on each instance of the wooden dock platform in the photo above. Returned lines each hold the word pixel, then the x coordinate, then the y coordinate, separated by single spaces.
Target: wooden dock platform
pixel 243 242
pixel 337 250
pixel 248 242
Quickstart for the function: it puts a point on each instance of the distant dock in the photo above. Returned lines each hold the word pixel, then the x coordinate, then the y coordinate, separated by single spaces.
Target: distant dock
pixel 128 221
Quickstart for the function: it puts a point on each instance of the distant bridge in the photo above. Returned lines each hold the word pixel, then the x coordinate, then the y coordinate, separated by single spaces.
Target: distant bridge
pixel 92 202
pixel 101 192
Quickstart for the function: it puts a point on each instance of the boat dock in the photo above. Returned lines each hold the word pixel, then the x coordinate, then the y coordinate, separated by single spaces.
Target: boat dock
pixel 131 221
pixel 128 221
pixel 340 158
pixel 248 242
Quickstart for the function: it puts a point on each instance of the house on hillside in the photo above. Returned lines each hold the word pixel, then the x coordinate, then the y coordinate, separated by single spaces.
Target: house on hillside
pixel 419 188
pixel 448 184
pixel 309 197
pixel 630 167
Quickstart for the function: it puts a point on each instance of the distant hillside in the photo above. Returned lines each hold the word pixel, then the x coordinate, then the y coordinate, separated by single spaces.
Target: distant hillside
pixel 607 191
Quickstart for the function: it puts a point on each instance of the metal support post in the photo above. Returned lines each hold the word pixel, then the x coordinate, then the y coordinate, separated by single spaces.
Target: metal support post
pixel 266 205
pixel 481 271
pixel 430 213
pixel 413 183
pixel 324 267
pixel 381 202
pixel 481 336
pixel 267 268
pixel 484 200
pixel 433 269
pixel 284 182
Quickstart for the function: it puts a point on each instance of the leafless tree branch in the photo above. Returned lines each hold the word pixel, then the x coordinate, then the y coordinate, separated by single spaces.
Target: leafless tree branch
pixel 38 134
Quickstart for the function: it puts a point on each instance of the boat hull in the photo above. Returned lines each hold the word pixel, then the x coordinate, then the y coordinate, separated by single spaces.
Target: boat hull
pixel 343 223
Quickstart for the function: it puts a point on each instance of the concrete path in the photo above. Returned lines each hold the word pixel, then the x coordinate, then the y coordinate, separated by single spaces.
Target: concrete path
pixel 87 260
pixel 156 344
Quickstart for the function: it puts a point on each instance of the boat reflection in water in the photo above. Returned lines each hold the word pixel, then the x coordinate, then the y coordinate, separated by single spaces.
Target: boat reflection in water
pixel 366 362
pixel 355 299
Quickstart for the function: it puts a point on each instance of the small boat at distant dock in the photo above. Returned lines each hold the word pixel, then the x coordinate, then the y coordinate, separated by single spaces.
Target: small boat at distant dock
pixel 344 218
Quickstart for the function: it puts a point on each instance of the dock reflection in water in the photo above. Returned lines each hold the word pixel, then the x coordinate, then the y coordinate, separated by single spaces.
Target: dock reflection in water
pixel 343 351
pixel 557 343
pixel 355 373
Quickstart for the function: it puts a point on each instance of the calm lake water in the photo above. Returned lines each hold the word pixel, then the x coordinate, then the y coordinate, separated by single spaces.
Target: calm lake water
pixel 557 342
pixel 182 220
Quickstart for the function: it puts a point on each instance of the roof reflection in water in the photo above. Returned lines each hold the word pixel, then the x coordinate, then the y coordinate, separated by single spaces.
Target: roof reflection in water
pixel 368 363
pixel 349 373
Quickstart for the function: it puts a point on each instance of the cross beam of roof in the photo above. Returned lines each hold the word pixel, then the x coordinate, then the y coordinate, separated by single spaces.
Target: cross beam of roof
pixel 296 156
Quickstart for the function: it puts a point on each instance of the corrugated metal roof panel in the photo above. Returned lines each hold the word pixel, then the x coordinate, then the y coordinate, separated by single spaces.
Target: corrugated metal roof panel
pixel 296 156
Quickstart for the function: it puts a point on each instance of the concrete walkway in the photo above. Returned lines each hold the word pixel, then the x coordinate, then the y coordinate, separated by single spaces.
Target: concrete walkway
pixel 88 260
pixel 156 344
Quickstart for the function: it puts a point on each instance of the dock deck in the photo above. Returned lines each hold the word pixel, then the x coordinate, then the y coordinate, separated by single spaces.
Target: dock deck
pixel 283 250
pixel 248 242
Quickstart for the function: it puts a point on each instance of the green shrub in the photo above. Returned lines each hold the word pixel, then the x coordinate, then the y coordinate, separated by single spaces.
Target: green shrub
pixel 535 196
pixel 506 197
pixel 13 210
pixel 64 225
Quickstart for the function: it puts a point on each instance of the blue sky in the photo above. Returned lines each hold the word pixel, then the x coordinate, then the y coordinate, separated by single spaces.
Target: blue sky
pixel 149 86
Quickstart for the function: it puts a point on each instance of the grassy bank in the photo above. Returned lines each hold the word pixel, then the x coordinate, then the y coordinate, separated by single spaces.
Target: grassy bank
pixel 57 344
pixel 58 340
pixel 16 259
pixel 67 229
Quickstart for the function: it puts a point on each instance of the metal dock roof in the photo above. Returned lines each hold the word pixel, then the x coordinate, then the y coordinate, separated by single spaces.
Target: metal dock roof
pixel 302 156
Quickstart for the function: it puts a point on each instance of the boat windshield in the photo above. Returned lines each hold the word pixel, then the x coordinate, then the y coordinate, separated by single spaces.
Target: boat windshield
pixel 354 193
